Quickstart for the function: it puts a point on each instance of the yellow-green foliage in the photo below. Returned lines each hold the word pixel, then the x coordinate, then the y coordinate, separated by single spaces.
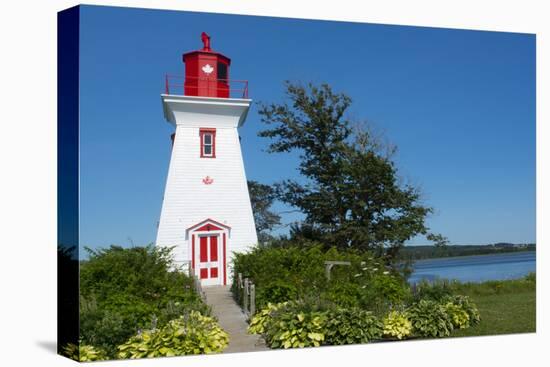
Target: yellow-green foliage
pixel 430 319
pixel 84 353
pixel 296 330
pixel 459 317
pixel 468 306
pixel 397 325
pixel 190 334
pixel 259 321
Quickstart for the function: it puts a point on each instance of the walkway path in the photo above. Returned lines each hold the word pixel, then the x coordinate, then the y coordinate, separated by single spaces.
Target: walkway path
pixel 232 320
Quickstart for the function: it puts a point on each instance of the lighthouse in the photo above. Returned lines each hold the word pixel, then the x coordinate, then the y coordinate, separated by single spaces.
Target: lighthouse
pixel 206 213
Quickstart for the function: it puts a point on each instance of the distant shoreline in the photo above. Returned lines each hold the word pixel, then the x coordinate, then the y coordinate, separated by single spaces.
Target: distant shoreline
pixel 465 257
pixel 431 252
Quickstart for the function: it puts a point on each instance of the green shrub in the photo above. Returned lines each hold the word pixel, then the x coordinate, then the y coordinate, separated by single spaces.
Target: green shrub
pixel 259 321
pixel 290 271
pixel 384 292
pixel 435 291
pixel 468 306
pixel 189 334
pixel 124 290
pixel 351 326
pixel 430 319
pixel 103 328
pixel 391 288
pixel 344 294
pixel 397 325
pixel 287 273
pixel 84 353
pixel 459 317
pixel 276 292
pixel 290 328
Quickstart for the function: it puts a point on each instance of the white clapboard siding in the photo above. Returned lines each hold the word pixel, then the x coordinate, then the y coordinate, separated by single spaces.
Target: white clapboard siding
pixel 187 200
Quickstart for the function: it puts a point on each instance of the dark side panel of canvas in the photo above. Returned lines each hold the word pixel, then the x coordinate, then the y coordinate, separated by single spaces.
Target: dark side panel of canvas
pixel 67 176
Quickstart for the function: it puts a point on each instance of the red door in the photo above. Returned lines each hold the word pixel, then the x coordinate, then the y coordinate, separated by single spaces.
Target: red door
pixel 208 257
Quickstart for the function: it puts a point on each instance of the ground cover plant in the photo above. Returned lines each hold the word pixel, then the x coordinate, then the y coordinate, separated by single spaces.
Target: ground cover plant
pixel 309 322
pixel 189 334
pixel 397 325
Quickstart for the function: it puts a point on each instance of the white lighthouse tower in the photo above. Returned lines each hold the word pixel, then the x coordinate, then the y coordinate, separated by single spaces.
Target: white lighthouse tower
pixel 206 212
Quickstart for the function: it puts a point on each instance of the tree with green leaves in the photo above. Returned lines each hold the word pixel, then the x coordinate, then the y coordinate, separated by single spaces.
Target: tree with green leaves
pixel 262 197
pixel 351 194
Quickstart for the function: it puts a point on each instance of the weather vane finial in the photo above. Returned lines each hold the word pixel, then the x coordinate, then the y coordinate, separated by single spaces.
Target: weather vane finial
pixel 205 41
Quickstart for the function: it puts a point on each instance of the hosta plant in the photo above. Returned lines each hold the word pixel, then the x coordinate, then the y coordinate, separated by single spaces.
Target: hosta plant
pixel 352 326
pixel 430 319
pixel 397 325
pixel 296 329
pixel 84 353
pixel 459 317
pixel 259 321
pixel 468 306
pixel 190 334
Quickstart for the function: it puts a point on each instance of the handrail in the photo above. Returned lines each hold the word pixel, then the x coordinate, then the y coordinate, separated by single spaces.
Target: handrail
pixel 182 85
pixel 249 295
pixel 197 284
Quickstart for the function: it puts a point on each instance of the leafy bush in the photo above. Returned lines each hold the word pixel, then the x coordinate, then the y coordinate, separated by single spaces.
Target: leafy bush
pixel 430 319
pixel 313 322
pixel 352 326
pixel 259 321
pixel 189 334
pixel 459 317
pixel 127 289
pixel 290 270
pixel 435 291
pixel 290 327
pixel 391 288
pixel 83 353
pixel 468 306
pixel 397 325
pixel 384 292
pixel 344 294
pixel 277 292
pixel 295 272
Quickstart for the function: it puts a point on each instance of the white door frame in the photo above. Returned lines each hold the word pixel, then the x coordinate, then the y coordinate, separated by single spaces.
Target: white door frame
pixel 208 228
pixel 209 264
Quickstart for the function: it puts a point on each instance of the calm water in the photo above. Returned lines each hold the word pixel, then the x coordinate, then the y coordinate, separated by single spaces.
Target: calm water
pixel 476 268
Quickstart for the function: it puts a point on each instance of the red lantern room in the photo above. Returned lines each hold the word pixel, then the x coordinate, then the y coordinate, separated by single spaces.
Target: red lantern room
pixel 206 72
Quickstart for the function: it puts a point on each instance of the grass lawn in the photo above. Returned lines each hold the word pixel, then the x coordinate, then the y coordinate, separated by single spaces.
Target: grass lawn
pixel 507 311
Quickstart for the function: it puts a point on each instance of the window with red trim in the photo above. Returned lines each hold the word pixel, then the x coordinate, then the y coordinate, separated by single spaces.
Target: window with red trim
pixel 208 143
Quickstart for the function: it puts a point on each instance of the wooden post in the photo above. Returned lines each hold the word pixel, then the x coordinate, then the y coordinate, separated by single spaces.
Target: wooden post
pixel 327 270
pixel 252 299
pixel 239 287
pixel 245 300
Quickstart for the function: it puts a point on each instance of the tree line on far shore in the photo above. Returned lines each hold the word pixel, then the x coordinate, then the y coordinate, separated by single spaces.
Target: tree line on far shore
pixel 429 251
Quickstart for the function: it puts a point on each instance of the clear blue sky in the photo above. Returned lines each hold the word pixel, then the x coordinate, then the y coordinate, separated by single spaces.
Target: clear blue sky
pixel 459 105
